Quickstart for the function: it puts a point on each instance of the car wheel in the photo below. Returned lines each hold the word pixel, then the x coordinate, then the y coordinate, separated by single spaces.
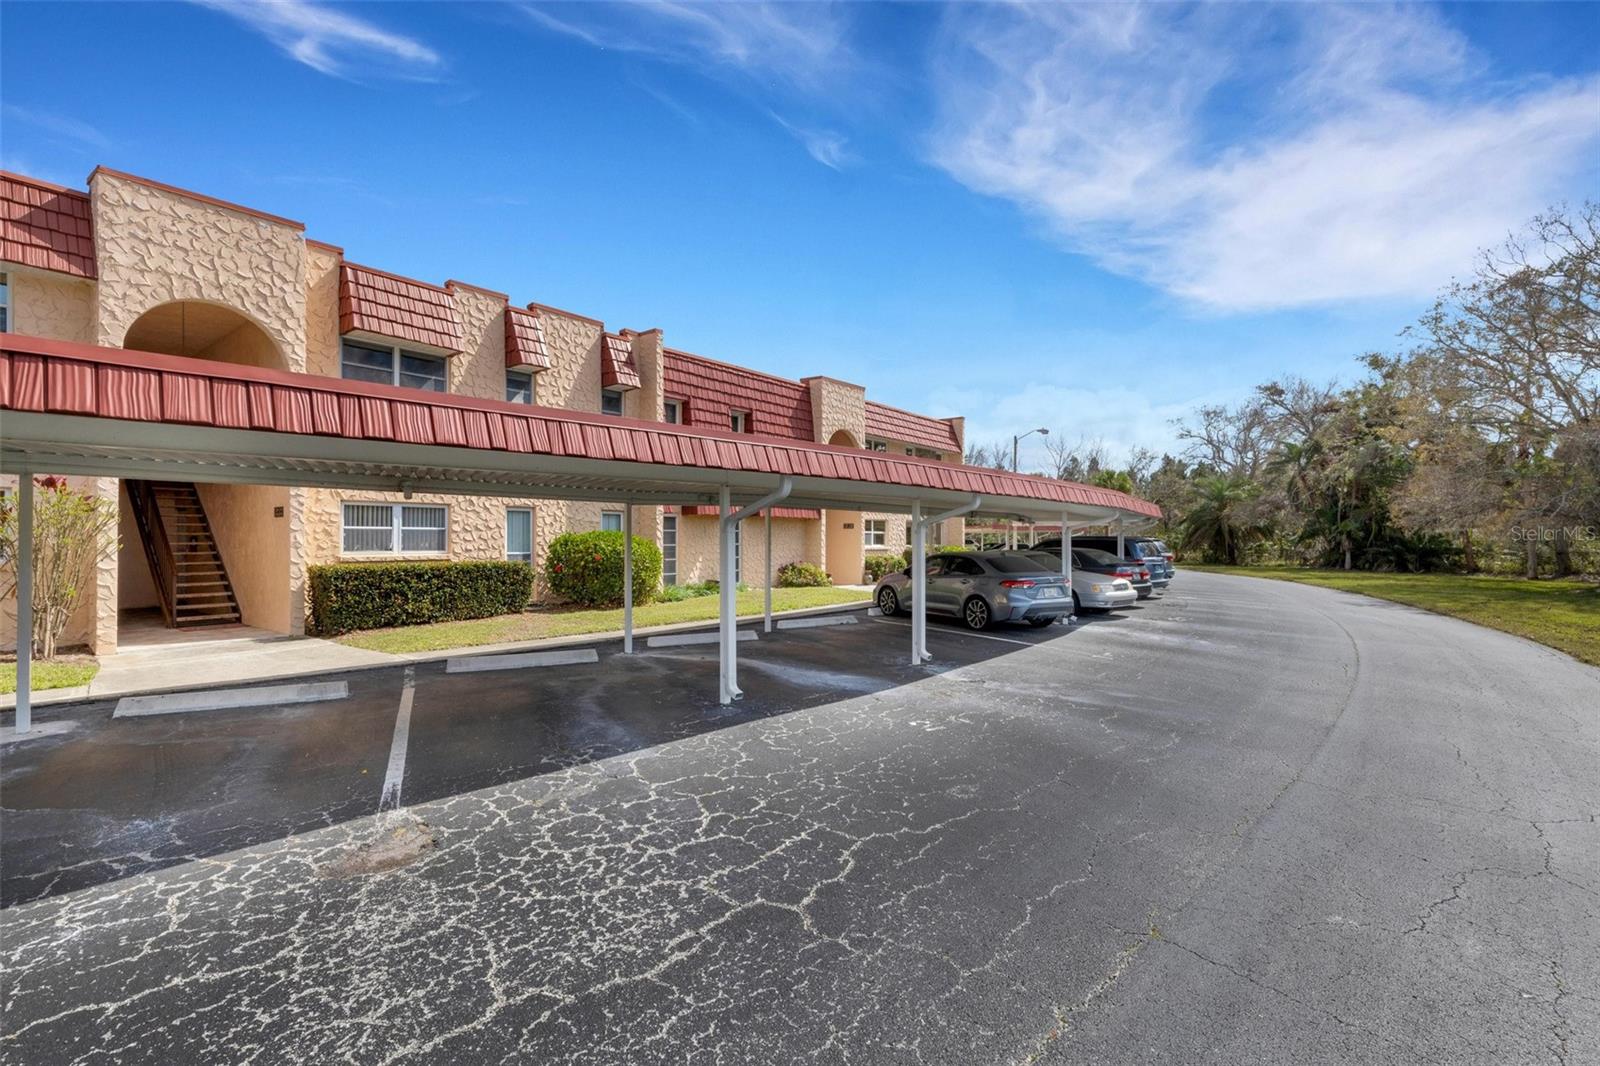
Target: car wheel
pixel 1040 623
pixel 975 612
pixel 888 602
pixel 1077 605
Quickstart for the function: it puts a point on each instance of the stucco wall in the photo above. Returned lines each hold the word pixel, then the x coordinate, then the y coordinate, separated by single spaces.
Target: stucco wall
pixel 255 545
pixel 135 587
pixel 794 540
pixel 838 406
pixel 51 305
pixel 154 246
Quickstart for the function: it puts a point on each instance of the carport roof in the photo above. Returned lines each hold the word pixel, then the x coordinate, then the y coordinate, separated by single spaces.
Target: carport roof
pixel 81 409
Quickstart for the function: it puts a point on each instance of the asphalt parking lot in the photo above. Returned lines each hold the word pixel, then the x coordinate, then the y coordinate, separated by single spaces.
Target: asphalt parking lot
pixel 1250 822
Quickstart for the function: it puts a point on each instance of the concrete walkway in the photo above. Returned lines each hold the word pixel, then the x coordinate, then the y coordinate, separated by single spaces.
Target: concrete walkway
pixel 259 655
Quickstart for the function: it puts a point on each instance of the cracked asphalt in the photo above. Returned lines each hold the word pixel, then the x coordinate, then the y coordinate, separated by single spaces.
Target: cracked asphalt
pixel 1251 822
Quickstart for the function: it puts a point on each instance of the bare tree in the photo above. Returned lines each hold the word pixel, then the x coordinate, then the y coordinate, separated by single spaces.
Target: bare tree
pixel 1233 441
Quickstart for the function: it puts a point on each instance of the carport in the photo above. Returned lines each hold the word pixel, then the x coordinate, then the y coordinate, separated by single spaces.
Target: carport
pixel 111 412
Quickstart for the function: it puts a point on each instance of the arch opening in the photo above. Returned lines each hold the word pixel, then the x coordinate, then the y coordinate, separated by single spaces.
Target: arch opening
pixel 204 330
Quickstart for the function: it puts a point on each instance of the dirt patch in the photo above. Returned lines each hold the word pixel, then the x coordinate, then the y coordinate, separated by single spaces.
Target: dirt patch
pixel 399 843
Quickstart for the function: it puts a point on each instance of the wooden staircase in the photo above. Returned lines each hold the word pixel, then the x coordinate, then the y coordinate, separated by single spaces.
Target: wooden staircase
pixel 190 578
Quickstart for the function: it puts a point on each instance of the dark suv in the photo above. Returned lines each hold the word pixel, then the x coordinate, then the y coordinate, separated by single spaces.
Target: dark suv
pixel 1147 552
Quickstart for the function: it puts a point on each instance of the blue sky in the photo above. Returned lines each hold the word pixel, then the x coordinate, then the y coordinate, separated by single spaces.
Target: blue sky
pixel 1090 218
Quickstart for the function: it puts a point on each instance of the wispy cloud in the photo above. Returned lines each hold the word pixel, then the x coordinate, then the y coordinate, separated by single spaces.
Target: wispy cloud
pixel 800 53
pixel 331 41
pixel 1192 149
pixel 62 126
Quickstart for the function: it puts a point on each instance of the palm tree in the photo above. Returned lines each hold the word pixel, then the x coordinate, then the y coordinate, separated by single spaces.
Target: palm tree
pixel 1217 524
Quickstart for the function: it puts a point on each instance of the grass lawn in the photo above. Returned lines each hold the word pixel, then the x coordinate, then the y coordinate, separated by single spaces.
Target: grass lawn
pixel 1563 614
pixel 536 625
pixel 64 672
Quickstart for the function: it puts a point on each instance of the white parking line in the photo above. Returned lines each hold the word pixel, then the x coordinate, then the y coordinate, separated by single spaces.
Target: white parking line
pixel 561 657
pixel 963 633
pixel 229 699
pixel 396 773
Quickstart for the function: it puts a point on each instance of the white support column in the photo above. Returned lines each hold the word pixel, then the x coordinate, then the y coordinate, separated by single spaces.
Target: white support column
pixel 24 601
pixel 919 572
pixel 767 517
pixel 919 587
pixel 1066 554
pixel 627 577
pixel 727 637
pixel 1121 549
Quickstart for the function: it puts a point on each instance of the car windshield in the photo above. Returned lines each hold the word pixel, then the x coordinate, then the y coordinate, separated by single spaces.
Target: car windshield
pixel 1097 557
pixel 1016 564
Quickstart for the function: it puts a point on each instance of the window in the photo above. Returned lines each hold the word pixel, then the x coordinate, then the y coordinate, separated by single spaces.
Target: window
pixel 738 420
pixel 611 521
pixel 923 453
pixel 672 411
pixel 5 303
pixel 363 361
pixel 877 445
pixel 611 401
pixel 669 549
pixel 394 528
pixel 875 532
pixel 519 387
pixel 955 565
pixel 519 534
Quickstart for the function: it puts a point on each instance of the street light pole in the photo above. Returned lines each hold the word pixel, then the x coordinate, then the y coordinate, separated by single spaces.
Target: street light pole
pixel 1017 439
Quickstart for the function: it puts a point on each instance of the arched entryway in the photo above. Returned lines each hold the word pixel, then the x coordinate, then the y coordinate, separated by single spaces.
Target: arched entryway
pixel 845 551
pixel 203 556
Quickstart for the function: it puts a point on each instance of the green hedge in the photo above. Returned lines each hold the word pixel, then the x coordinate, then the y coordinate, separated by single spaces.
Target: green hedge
pixel 586 568
pixel 802 576
pixel 879 565
pixel 347 596
pixel 932 549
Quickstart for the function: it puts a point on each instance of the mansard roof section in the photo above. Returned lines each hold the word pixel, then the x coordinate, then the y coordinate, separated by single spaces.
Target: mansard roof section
pixel 45 226
pixel 402 309
pixel 525 347
pixel 711 389
pixel 617 368
pixel 891 423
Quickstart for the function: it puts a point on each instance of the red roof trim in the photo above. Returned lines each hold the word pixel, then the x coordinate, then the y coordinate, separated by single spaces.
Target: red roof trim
pixel 532 306
pixel 40 375
pixel 454 284
pixel 199 196
pixel 325 246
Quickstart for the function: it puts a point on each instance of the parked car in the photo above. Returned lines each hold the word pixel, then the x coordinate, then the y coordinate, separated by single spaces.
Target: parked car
pixel 981 588
pixel 1099 581
pixel 1149 566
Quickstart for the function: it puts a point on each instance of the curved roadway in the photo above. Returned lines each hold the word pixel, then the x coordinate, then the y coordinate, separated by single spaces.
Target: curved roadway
pixel 1258 822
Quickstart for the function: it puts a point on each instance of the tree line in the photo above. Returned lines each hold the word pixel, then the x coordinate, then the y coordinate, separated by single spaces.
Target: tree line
pixel 1475 445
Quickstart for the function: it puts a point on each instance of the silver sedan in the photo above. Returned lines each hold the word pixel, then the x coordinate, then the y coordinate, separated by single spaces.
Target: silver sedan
pixel 981 588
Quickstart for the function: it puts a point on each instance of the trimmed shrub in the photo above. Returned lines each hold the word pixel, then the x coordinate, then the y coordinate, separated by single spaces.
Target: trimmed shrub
pixel 674 593
pixel 880 565
pixel 347 596
pixel 932 549
pixel 586 568
pixel 802 576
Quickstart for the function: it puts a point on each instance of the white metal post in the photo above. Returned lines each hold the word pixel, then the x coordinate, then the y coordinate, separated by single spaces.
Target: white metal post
pixel 767 516
pixel 627 578
pixel 24 601
pixel 725 591
pixel 1121 551
pixel 919 587
pixel 1066 555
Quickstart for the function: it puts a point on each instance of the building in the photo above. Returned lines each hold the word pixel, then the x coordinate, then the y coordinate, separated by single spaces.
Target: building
pixel 136 264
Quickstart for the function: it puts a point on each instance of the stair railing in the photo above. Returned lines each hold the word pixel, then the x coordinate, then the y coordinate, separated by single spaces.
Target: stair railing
pixel 157 548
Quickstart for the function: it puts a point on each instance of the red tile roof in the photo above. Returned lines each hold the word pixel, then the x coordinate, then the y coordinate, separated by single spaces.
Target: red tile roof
pixel 711 390
pixel 891 423
pixel 45 226
pixel 388 305
pixel 525 340
pixel 617 369
pixel 61 377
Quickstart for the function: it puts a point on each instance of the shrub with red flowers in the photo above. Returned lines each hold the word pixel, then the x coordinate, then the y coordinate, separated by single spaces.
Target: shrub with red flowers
pixel 586 568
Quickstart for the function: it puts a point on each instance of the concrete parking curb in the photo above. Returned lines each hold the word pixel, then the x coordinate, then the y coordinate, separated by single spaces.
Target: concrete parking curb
pixel 87 694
